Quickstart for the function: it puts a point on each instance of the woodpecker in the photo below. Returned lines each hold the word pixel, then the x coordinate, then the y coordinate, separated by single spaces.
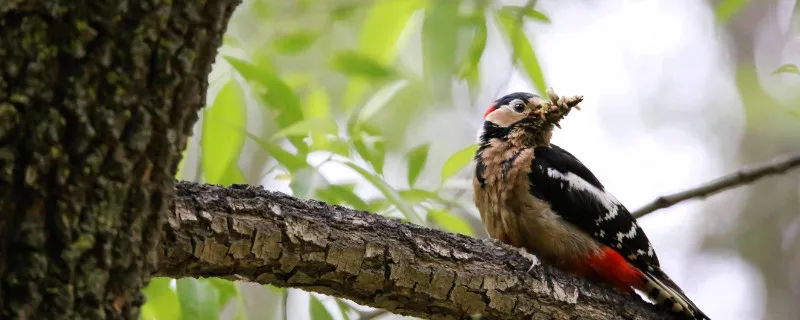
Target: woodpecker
pixel 532 194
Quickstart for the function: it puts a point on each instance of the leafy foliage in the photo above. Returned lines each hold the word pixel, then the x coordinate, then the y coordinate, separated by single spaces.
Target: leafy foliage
pixel 523 51
pixel 336 92
pixel 317 310
pixel 417 157
pixel 787 68
pixel 162 301
pixel 199 299
pixel 458 161
pixel 726 9
pixel 223 136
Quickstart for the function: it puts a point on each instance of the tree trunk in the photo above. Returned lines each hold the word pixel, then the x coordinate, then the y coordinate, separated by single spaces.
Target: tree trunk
pixel 97 99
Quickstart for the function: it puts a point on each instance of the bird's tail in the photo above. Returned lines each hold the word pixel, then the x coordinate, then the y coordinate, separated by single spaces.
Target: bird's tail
pixel 666 294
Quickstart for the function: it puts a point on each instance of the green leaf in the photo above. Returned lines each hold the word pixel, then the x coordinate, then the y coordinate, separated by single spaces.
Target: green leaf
pixel 383 27
pixel 287 160
pixel 344 308
pixel 419 195
pixel 470 67
pixel 318 104
pixel 332 144
pixel 295 42
pixel 449 222
pixel 356 64
pixel 198 299
pixel 389 192
pixel 263 10
pixel 381 99
pixel 377 205
pixel 181 165
pixel 337 194
pixel 525 11
pixel 458 161
pixel 523 50
pixel 246 69
pixel 302 182
pixel 284 158
pixel 416 158
pixel 415 196
pixel 317 309
pixel 726 9
pixel 787 68
pixel 161 301
pixel 232 175
pixel 278 96
pixel 368 143
pixel 439 44
pixel 374 154
pixel 276 290
pixel 298 81
pixel 343 11
pixel 381 32
pixel 313 125
pixel 223 133
pixel 230 40
pixel 227 289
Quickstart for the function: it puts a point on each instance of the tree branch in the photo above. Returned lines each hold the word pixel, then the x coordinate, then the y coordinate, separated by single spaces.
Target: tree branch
pixel 741 177
pixel 247 233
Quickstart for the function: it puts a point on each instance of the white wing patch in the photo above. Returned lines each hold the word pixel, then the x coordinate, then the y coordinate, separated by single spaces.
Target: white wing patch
pixel 630 234
pixel 608 201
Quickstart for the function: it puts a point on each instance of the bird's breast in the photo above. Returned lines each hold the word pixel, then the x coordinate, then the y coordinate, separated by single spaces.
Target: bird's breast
pixel 511 214
pixel 501 174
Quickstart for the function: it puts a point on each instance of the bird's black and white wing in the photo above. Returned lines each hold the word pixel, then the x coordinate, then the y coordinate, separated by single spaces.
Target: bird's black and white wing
pixel 575 194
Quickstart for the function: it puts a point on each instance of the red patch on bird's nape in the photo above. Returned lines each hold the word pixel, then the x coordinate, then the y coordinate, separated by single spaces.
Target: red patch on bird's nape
pixel 488 111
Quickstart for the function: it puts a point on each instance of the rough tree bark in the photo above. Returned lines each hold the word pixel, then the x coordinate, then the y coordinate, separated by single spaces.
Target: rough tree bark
pixel 247 233
pixel 97 99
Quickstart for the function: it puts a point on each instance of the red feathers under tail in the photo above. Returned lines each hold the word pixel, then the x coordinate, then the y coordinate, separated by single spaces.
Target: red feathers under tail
pixel 612 268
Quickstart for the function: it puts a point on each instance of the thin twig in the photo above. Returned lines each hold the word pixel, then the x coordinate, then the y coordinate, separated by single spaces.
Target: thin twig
pixel 741 177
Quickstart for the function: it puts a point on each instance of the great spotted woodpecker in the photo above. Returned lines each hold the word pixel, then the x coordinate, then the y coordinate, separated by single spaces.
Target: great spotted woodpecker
pixel 535 195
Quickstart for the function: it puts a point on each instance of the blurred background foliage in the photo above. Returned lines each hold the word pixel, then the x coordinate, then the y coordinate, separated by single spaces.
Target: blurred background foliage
pixel 374 105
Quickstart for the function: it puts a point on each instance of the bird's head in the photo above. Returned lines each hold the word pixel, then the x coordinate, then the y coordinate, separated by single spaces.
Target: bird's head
pixel 525 118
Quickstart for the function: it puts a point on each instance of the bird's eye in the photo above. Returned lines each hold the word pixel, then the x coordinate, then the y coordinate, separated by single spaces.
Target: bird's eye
pixel 519 107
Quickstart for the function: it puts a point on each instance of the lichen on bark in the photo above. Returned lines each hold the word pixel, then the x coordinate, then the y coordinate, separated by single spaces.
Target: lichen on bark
pixel 97 99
